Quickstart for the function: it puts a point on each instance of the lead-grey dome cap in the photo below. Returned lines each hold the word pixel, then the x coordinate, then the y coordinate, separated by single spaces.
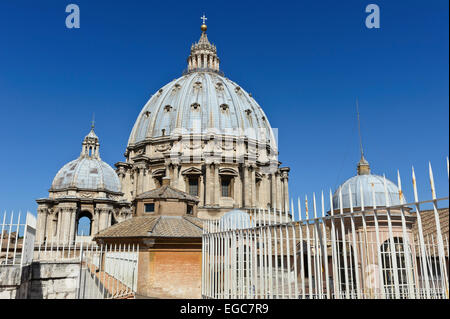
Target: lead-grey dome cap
pixel 362 188
pixel 87 172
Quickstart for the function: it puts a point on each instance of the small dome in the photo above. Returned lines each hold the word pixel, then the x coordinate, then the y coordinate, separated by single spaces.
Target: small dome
pixel 368 184
pixel 235 219
pixel 87 173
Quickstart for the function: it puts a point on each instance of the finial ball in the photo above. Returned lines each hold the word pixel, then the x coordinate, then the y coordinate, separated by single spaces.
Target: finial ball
pixel 204 27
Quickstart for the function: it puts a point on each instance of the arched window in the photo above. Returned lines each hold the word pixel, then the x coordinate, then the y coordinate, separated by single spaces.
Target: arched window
pixel 84 224
pixel 346 266
pixel 392 269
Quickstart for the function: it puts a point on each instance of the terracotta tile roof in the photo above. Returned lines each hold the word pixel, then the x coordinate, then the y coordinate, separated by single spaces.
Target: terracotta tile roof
pixel 175 226
pixel 167 192
pixel 155 226
pixel 133 227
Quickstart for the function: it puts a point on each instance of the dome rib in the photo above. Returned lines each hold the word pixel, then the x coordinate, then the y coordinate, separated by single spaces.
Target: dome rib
pixel 183 92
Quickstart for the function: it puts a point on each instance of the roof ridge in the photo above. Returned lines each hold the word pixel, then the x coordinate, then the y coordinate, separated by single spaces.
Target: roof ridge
pixel 187 218
pixel 156 224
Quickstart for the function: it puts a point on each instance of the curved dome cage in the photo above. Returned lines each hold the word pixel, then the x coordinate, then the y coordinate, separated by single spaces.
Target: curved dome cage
pixel 362 187
pixel 236 219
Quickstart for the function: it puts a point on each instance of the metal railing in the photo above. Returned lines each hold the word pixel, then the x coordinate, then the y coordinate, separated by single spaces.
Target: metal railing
pixel 377 252
pixel 106 271
pixel 17 233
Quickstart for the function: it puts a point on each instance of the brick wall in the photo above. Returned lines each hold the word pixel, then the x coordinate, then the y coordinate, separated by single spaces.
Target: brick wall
pixel 171 273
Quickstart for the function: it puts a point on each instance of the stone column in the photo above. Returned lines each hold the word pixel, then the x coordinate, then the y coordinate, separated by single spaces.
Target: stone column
pixel 253 186
pixel 97 219
pixel 209 185
pixel 41 226
pixel 280 200
pixel 140 179
pixel 273 187
pixel 217 189
pixel 73 225
pixel 144 179
pixel 58 225
pixel 201 190
pixel 247 186
pixel 286 193
pixel 238 191
pixel 135 173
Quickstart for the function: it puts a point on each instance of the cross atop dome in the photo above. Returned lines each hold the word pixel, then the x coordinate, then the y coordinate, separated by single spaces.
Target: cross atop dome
pixel 204 18
pixel 203 57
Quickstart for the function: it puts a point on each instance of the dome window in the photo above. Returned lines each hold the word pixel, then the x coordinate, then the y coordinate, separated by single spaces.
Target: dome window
pixel 147 114
pixel 224 107
pixel 198 85
pixel 176 87
pixel 219 86
pixel 248 112
pixel 238 90
pixel 159 92
pixel 195 106
pixel 168 108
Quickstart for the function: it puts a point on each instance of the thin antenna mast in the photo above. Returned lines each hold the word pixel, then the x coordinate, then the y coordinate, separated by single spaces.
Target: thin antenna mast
pixel 359 130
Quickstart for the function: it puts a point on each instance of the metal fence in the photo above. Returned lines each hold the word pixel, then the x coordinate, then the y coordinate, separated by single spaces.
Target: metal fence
pixel 109 271
pixel 17 233
pixel 106 271
pixel 377 252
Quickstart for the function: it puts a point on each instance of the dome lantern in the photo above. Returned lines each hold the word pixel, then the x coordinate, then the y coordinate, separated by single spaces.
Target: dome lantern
pixel 203 57
pixel 363 167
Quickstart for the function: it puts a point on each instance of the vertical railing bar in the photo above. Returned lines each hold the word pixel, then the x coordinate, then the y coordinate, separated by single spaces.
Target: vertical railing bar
pixel 17 239
pixel 438 230
pixel 294 244
pixel 420 232
pixel 355 248
pixel 302 262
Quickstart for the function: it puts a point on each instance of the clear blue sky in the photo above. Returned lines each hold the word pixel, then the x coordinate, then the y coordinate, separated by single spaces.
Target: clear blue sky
pixel 305 62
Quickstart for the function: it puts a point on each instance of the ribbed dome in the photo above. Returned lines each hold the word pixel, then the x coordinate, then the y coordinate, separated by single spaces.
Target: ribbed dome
pixel 368 183
pixel 202 102
pixel 87 172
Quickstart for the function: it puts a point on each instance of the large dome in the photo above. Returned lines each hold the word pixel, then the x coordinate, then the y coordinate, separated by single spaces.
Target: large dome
pixel 202 102
pixel 87 172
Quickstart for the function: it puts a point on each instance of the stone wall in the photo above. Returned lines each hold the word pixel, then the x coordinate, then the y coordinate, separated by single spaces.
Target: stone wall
pixel 14 281
pixel 54 280
pixel 40 280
